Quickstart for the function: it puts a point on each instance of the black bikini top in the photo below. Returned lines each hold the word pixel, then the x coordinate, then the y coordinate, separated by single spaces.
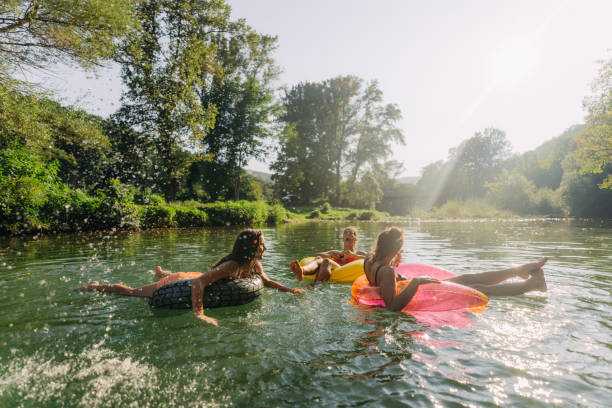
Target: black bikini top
pixel 376 273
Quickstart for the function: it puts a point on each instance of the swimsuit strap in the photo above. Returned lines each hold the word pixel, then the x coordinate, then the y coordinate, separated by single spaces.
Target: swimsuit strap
pixel 376 274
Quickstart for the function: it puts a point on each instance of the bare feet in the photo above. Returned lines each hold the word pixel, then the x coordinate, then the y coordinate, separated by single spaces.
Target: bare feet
pixel 160 273
pixel 297 270
pixel 87 288
pixel 527 270
pixel 539 281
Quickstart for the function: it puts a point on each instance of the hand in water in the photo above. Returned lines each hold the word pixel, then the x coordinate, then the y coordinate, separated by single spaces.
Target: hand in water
pixel 297 290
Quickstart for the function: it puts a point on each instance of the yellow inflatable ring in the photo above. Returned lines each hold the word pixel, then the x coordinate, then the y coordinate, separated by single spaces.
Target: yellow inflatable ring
pixel 345 273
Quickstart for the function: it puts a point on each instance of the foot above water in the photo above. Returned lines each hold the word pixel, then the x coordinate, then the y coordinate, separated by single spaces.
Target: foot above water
pixel 527 270
pixel 297 270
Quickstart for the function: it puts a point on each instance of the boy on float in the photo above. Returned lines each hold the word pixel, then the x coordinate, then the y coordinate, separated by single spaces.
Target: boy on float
pixel 324 262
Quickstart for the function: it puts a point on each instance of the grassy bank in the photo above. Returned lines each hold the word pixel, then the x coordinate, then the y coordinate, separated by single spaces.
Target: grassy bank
pixel 327 212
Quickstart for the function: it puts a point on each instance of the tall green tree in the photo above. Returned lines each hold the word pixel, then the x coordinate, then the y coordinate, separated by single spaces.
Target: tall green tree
pixel 478 160
pixel 594 145
pixel 334 129
pixel 164 67
pixel 243 96
pixel 37 33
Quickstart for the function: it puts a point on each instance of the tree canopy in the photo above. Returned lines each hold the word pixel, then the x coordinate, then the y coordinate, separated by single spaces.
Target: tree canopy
pixel 37 33
pixel 334 131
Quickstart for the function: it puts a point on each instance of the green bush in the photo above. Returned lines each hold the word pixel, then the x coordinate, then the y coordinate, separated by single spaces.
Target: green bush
pixel 276 213
pixel 512 192
pixel 314 214
pixel 25 182
pixel 325 208
pixel 351 216
pixel 116 208
pixel 367 215
pixel 159 216
pixel 547 202
pixel 237 213
pixel 190 217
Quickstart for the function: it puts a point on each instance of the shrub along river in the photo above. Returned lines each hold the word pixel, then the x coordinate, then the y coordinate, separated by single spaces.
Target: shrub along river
pixel 60 348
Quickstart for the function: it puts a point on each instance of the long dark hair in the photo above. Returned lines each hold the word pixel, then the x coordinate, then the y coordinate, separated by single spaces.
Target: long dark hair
pixel 388 242
pixel 244 249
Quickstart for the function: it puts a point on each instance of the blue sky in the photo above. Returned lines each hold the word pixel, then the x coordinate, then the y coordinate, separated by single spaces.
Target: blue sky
pixel 453 67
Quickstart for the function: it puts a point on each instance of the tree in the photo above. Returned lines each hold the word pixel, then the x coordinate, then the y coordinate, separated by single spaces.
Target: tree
pixel 333 129
pixel 37 33
pixel 242 94
pixel 594 145
pixel 477 160
pixel 164 66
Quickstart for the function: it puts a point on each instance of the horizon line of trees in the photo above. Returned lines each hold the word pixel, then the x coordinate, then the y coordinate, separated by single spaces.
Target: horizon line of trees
pixel 199 104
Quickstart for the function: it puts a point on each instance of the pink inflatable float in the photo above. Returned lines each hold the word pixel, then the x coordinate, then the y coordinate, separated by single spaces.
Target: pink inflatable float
pixel 432 297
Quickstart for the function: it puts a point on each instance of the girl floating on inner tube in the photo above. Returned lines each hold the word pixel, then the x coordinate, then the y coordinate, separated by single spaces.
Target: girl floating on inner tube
pixel 242 262
pixel 378 268
pixel 325 262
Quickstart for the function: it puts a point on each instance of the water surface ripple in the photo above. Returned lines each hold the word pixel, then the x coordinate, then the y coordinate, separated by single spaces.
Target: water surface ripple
pixel 59 348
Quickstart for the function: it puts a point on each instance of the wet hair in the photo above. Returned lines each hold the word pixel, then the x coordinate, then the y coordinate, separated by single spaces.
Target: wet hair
pixel 353 231
pixel 244 249
pixel 388 243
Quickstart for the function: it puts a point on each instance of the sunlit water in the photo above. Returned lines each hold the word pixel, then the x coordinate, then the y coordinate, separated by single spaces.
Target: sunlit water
pixel 59 348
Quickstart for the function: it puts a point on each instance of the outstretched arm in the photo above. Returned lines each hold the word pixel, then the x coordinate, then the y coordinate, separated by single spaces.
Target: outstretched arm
pixel 274 284
pixel 388 285
pixel 198 285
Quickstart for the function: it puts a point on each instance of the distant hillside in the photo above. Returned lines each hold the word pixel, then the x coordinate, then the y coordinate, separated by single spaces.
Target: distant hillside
pixel 260 175
pixel 409 179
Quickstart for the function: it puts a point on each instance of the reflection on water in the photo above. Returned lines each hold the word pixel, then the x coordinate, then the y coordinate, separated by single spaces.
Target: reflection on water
pixel 63 349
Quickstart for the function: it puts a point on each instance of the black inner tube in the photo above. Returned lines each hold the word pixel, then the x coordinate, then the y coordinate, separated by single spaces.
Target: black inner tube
pixel 224 292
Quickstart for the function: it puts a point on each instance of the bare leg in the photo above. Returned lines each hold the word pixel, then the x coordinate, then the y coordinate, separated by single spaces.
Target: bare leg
pixel 324 272
pixel 495 277
pixel 120 289
pixel 536 282
pixel 309 269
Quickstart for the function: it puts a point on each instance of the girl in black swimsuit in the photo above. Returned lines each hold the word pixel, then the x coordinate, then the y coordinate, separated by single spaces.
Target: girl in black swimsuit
pixel 379 270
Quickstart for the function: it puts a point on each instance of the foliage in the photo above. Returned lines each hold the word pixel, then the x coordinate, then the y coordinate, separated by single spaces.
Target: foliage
pixel 544 165
pixel 581 194
pixel 512 192
pixel 38 33
pixel 25 182
pixel 50 131
pixel 159 216
pixel 237 213
pixel 163 67
pixel 398 198
pixel 366 216
pixel 242 94
pixel 472 208
pixel 594 145
pixel 314 214
pixel 331 126
pixel 190 218
pixel 471 165
pixel 277 213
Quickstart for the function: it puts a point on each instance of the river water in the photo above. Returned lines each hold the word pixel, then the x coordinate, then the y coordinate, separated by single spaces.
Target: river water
pixel 60 348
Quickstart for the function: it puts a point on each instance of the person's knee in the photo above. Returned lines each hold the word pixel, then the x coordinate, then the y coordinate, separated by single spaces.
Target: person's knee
pixel 325 263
